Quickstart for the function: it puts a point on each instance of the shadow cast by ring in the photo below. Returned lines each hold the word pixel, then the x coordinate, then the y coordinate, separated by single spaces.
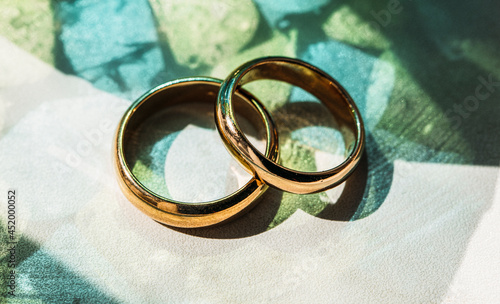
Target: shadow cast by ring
pixel 364 191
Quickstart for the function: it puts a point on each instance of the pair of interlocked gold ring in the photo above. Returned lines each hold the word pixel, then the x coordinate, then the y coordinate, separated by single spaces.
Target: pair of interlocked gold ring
pixel 264 168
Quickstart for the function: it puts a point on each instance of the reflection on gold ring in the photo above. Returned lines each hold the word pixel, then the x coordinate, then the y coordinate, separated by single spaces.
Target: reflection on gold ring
pixel 169 211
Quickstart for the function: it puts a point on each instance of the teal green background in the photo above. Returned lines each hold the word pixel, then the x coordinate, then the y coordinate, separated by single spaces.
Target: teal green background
pixel 439 69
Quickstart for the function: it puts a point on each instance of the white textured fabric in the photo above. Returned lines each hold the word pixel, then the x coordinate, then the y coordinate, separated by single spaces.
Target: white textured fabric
pixel 435 238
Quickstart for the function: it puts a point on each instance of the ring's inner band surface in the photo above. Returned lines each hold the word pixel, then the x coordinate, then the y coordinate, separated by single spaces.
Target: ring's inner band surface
pixel 176 213
pixel 316 84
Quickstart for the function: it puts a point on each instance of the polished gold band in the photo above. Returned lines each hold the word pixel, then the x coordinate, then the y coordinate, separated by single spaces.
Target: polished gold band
pixel 168 211
pixel 313 80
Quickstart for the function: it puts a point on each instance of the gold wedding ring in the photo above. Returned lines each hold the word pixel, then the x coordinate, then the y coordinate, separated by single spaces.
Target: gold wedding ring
pixel 265 170
pixel 313 80
pixel 169 211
